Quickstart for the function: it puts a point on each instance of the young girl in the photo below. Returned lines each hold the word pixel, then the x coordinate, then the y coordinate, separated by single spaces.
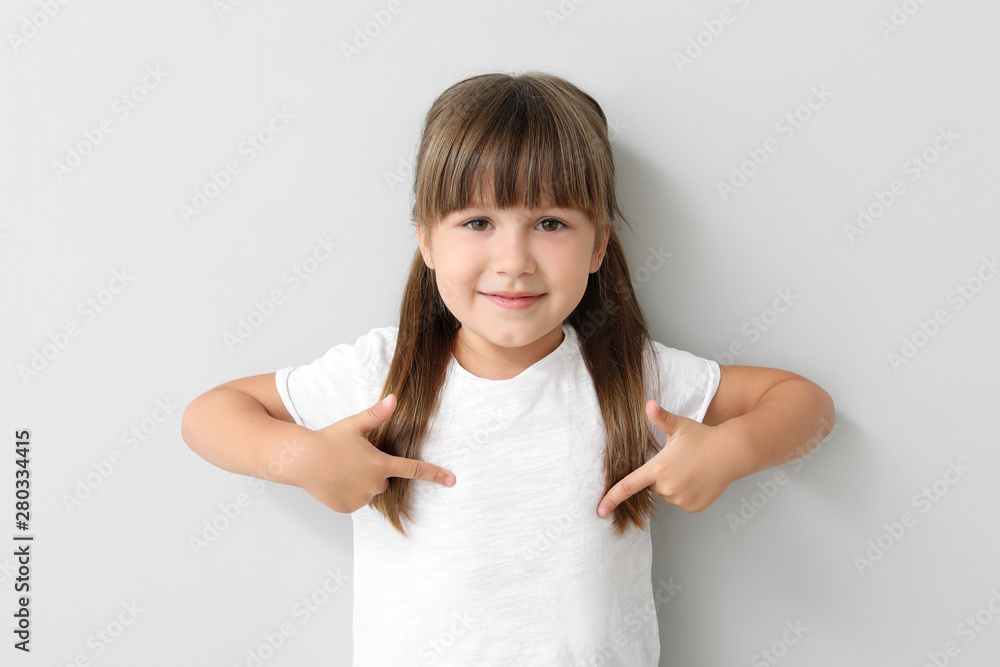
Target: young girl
pixel 518 415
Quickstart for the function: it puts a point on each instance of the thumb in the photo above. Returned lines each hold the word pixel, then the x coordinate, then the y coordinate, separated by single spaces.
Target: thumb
pixel 371 417
pixel 663 420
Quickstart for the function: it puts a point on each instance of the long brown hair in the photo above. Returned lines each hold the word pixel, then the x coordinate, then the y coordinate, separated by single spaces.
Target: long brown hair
pixel 535 136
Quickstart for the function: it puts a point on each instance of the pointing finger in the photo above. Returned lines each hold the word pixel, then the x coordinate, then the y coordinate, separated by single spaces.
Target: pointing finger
pixel 628 486
pixel 398 466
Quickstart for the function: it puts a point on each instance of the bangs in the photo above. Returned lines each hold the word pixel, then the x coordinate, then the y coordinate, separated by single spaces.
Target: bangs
pixel 506 145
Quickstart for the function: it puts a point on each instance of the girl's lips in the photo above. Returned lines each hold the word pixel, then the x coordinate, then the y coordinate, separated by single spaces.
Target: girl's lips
pixel 512 303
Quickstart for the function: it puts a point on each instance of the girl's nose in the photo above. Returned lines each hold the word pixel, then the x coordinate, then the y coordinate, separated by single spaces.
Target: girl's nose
pixel 512 253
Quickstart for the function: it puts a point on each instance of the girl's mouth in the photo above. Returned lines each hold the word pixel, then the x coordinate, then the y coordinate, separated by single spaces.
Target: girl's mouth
pixel 513 302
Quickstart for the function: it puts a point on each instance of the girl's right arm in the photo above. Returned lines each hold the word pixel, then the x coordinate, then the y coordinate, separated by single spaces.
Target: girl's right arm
pixel 243 426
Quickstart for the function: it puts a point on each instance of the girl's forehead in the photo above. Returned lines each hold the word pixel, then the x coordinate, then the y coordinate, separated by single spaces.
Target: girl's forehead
pixel 483 195
pixel 488 203
pixel 516 189
pixel 545 201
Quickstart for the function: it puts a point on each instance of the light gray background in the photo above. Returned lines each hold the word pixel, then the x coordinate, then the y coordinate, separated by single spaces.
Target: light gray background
pixel 329 174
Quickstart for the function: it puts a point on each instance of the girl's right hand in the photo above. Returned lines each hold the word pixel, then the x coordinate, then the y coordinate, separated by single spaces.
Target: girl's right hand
pixel 344 471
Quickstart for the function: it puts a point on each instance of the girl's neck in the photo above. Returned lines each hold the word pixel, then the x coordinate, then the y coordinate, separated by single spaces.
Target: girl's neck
pixel 496 362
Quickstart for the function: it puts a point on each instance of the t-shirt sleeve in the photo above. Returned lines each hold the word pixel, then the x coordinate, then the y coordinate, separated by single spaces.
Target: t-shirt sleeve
pixel 683 383
pixel 344 381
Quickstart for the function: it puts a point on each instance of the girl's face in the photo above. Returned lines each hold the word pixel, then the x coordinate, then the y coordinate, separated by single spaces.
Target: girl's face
pixel 539 258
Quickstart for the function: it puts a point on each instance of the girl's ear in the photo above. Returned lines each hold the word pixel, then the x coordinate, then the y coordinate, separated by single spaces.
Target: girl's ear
pixel 424 244
pixel 600 247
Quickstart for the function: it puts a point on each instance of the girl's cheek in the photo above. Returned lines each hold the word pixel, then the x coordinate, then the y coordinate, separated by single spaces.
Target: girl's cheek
pixel 450 290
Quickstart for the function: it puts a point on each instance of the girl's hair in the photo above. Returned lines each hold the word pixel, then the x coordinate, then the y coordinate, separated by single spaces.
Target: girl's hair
pixel 535 136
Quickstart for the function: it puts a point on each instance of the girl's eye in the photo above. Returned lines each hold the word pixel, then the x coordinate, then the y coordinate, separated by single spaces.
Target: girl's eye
pixel 470 224
pixel 548 224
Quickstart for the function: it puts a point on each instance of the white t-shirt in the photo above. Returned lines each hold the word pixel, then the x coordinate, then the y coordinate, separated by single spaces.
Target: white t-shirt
pixel 511 565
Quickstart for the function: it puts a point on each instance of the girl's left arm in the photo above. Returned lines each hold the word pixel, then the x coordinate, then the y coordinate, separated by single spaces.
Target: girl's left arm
pixel 758 418
pixel 772 416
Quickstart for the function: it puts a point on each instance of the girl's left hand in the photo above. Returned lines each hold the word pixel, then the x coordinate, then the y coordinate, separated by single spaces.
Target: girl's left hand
pixel 692 469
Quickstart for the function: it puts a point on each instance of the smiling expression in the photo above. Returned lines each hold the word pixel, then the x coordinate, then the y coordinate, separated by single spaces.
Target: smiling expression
pixel 511 277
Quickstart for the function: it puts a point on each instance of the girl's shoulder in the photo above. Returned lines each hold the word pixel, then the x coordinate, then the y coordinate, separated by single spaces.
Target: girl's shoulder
pixel 370 350
pixel 667 354
pixel 378 344
pixel 386 334
pixel 683 382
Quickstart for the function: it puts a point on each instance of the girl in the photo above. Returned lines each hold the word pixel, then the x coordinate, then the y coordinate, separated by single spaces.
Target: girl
pixel 493 449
